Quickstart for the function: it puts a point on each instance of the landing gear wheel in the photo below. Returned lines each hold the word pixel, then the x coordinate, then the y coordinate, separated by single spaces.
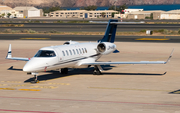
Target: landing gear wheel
pixel 35 79
pixel 96 71
pixel 64 71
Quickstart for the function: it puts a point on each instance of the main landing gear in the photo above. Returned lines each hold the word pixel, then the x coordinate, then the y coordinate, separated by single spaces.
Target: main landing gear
pixel 97 71
pixel 64 71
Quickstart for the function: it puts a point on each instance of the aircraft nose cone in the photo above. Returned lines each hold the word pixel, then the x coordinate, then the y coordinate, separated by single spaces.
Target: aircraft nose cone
pixel 29 67
pixel 26 68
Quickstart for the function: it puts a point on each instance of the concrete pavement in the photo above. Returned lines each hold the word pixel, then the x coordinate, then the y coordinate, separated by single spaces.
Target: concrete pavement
pixel 122 88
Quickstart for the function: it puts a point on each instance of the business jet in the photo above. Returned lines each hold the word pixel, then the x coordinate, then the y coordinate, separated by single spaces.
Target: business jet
pixel 76 55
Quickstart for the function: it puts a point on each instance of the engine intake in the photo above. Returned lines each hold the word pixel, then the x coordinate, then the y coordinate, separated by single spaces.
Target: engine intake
pixel 106 47
pixel 101 47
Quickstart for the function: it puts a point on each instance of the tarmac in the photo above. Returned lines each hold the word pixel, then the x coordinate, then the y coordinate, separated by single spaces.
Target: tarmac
pixel 50 37
pixel 121 88
pixel 89 27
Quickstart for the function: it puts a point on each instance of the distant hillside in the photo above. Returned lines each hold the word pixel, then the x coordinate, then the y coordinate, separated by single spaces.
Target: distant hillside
pixel 81 3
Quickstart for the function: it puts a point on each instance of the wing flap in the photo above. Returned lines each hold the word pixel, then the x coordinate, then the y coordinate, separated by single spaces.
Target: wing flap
pixel 109 63
pixel 140 62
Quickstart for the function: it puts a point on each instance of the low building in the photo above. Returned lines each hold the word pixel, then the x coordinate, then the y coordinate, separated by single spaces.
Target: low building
pixel 173 14
pixel 120 16
pixel 4 10
pixel 142 14
pixel 82 14
pixel 29 11
pixel 127 11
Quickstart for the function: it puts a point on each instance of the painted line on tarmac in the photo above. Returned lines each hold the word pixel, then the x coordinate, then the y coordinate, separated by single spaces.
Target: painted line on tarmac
pixel 3 84
pixel 129 89
pixel 45 87
pixel 34 38
pixel 12 81
pixel 19 85
pixel 8 110
pixel 7 89
pixel 95 101
pixel 20 89
pixel 160 39
pixel 29 89
pixel 59 84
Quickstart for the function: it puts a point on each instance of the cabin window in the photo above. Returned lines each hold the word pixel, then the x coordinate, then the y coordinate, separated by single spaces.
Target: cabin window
pixel 74 52
pixel 63 53
pixel 85 50
pixel 45 53
pixel 77 51
pixel 80 51
pixel 67 53
pixel 70 52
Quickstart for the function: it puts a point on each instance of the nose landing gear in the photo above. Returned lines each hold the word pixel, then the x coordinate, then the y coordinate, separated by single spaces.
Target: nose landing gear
pixel 35 80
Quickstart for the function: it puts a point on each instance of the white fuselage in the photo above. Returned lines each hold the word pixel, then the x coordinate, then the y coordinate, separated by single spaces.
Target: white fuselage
pixel 66 56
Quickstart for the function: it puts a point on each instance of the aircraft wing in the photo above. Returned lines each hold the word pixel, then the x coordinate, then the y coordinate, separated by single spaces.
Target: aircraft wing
pixel 9 56
pixel 140 62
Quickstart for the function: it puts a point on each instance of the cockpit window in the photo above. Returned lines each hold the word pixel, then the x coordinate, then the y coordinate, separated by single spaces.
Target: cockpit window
pixel 45 53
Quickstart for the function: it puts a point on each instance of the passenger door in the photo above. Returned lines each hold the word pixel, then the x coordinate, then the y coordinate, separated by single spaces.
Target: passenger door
pixel 60 54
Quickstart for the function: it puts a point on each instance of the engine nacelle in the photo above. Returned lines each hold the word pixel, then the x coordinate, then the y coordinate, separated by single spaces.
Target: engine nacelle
pixel 106 48
pixel 70 42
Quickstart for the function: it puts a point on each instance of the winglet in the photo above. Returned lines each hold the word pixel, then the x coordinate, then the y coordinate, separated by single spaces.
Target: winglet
pixel 169 57
pixel 9 55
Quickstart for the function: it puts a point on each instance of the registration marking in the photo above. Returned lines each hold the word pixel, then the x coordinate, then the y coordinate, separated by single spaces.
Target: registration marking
pixel 160 39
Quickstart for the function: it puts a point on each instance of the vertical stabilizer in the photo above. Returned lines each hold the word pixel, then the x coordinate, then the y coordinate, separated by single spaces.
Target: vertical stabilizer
pixel 9 52
pixel 110 33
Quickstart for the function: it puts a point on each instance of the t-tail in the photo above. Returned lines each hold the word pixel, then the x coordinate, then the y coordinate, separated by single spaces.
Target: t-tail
pixel 110 33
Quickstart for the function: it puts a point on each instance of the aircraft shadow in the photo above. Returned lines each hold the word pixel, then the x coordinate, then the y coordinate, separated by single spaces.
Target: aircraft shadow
pixel 175 92
pixel 86 71
pixel 11 68
pixel 56 74
pixel 53 75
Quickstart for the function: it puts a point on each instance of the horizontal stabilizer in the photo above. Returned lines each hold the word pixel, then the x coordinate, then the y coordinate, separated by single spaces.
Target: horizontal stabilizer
pixel 116 51
pixel 9 56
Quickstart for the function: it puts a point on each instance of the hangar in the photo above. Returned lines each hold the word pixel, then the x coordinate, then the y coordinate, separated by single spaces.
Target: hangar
pixel 29 11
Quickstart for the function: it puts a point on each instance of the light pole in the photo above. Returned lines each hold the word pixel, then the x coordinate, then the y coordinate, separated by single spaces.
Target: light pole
pixel 115 4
